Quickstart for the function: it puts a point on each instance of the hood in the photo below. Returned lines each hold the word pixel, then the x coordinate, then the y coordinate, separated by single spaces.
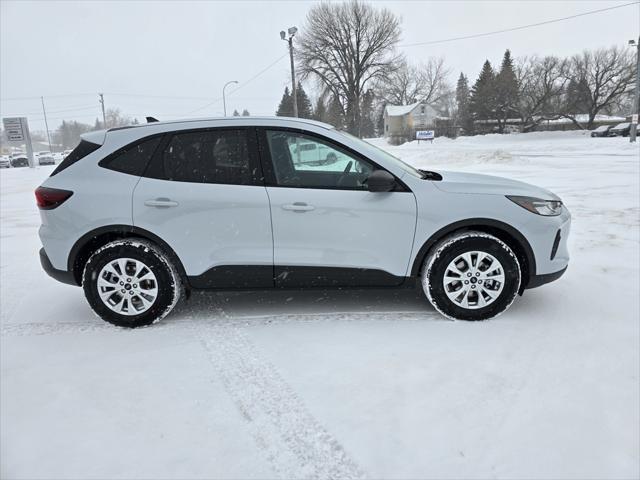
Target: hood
pixel 458 182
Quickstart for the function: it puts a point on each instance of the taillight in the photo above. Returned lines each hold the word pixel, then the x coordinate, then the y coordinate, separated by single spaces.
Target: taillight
pixel 50 198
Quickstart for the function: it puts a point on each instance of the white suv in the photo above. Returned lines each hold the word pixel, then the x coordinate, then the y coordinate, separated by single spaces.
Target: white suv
pixel 139 216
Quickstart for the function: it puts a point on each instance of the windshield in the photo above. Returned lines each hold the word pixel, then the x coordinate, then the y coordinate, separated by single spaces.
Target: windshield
pixel 394 160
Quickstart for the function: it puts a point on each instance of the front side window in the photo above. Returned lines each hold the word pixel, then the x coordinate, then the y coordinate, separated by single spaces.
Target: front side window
pixel 301 160
pixel 214 156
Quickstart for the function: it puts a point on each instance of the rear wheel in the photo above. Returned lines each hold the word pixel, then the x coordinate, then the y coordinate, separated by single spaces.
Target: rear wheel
pixel 131 283
pixel 471 276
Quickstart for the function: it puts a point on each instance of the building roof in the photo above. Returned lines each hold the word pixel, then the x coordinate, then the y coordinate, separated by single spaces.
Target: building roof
pixel 400 110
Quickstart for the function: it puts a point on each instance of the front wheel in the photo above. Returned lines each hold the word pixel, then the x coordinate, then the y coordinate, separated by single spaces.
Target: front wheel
pixel 471 276
pixel 131 283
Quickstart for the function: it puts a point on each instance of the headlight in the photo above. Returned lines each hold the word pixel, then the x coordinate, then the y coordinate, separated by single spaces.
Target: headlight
pixel 547 208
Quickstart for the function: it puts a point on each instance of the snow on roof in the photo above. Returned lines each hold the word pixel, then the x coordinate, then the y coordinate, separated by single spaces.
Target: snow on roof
pixel 400 110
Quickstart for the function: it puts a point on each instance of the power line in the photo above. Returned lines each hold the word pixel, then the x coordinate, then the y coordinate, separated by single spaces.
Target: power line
pixel 522 27
pixel 244 84
pixel 8 99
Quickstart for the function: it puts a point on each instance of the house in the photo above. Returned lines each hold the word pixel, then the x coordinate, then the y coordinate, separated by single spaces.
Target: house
pixel 402 121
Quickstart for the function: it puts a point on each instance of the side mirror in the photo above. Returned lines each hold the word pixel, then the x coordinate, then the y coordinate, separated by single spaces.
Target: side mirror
pixel 381 181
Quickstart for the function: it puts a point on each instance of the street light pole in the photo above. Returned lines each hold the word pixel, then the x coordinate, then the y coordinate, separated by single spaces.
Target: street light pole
pixel 294 93
pixel 224 100
pixel 636 104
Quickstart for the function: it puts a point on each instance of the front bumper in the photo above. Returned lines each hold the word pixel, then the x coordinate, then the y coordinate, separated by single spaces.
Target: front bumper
pixel 539 280
pixel 60 275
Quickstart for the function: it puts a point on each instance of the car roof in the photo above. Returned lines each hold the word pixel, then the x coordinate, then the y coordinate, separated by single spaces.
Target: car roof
pixel 257 121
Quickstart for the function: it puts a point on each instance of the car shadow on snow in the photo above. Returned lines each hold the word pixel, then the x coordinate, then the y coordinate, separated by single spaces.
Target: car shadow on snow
pixel 331 304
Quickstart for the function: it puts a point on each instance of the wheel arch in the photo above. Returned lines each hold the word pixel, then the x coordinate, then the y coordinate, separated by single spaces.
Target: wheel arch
pixel 505 232
pixel 94 239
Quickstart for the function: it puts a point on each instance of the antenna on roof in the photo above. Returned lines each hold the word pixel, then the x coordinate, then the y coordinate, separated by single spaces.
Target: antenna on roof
pixel 152 119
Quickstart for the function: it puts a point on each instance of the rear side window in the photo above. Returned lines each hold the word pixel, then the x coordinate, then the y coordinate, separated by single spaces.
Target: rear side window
pixel 214 156
pixel 132 159
pixel 83 149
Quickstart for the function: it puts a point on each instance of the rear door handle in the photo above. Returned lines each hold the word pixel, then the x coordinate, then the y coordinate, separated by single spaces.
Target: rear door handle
pixel 298 207
pixel 161 203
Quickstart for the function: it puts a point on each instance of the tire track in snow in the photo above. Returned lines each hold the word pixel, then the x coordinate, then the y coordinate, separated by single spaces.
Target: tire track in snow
pixel 295 443
pixel 54 328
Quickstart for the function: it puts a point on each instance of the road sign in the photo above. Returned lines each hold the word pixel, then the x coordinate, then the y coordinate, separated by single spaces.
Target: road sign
pixel 634 118
pixel 17 130
pixel 14 128
pixel 425 135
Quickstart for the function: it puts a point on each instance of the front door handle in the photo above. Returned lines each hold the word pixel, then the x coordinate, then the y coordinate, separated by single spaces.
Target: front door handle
pixel 161 203
pixel 298 207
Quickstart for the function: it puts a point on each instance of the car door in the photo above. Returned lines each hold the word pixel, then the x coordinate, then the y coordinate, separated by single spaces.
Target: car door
pixel 203 194
pixel 328 229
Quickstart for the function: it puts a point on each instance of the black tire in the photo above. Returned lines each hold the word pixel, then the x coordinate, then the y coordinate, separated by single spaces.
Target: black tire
pixel 440 257
pixel 169 284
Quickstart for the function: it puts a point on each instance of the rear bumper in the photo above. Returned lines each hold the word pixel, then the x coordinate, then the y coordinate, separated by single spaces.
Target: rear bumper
pixel 538 280
pixel 60 275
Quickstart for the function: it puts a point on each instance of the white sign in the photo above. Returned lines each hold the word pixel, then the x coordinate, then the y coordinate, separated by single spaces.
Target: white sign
pixel 634 118
pixel 425 134
pixel 14 128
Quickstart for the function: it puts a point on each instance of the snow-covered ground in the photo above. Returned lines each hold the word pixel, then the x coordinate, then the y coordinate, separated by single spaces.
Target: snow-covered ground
pixel 342 384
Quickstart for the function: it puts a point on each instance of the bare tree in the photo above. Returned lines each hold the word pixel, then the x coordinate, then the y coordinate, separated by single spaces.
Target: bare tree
pixel 346 47
pixel 542 84
pixel 115 118
pixel 607 76
pixel 408 84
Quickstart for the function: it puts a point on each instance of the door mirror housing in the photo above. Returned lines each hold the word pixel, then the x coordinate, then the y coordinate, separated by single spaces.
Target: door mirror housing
pixel 381 181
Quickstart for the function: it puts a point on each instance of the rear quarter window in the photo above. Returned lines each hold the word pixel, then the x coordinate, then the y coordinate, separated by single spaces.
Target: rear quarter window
pixel 83 149
pixel 132 159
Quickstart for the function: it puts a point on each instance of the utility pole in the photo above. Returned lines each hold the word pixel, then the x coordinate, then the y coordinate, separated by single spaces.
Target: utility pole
pixel 224 100
pixel 104 117
pixel 636 104
pixel 294 93
pixel 46 124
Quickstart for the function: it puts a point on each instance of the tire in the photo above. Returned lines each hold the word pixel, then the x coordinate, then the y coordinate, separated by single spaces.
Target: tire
pixel 154 288
pixel 494 267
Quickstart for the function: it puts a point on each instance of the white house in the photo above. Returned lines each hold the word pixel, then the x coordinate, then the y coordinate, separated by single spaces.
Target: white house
pixel 401 121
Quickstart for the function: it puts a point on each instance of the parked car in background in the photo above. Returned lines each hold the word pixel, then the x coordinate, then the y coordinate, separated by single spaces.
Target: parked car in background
pixel 620 130
pixel 312 154
pixel 19 161
pixel 138 216
pixel 46 160
pixel 5 161
pixel 57 156
pixel 66 153
pixel 601 131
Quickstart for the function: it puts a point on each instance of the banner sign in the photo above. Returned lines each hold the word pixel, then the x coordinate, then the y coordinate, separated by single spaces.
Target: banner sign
pixel 425 134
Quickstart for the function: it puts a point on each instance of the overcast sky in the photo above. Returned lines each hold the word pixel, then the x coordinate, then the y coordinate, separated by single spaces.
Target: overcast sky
pixel 145 54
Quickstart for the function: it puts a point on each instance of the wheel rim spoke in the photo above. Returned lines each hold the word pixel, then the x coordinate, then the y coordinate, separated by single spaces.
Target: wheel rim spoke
pixel 123 291
pixel 479 289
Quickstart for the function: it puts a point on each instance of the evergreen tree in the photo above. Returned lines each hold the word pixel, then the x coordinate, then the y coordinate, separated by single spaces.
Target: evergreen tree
pixel 245 113
pixel 577 97
pixel 463 103
pixel 367 127
pixel 285 109
pixel 506 91
pixel 335 113
pixel 236 113
pixel 305 109
pixel 320 112
pixel 483 94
